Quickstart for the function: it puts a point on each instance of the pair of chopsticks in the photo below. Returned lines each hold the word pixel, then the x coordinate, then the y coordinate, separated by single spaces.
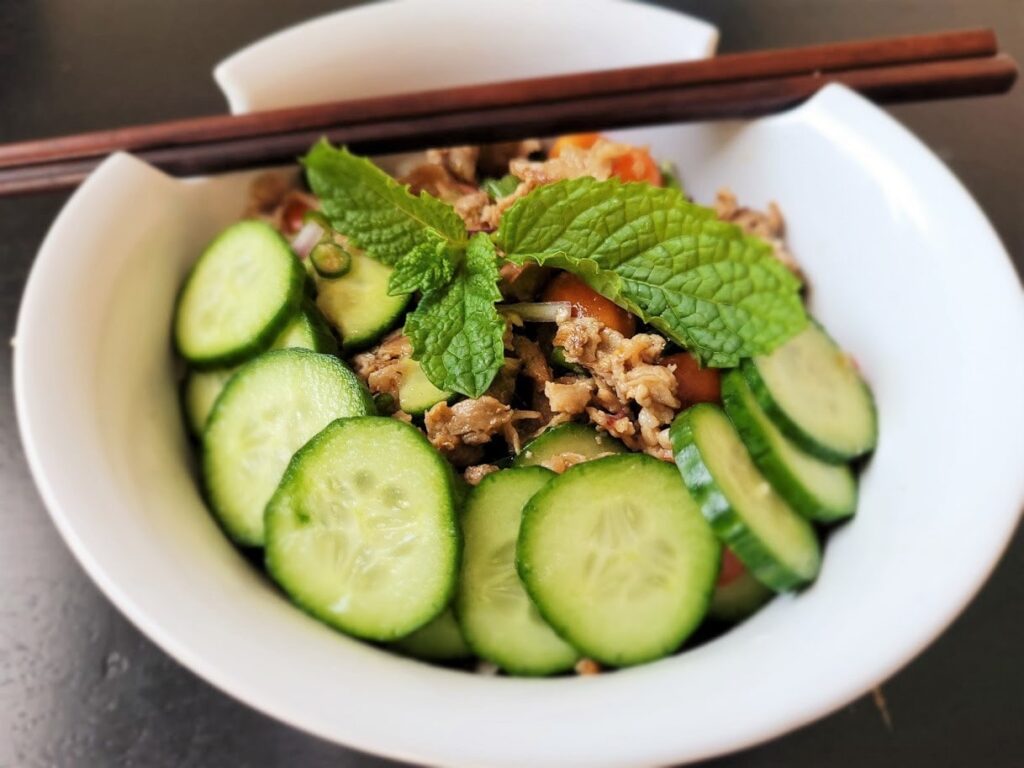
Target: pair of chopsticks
pixel 888 70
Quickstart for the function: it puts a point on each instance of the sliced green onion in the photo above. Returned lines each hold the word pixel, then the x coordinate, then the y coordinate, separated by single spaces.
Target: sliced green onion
pixel 385 403
pixel 539 311
pixel 330 260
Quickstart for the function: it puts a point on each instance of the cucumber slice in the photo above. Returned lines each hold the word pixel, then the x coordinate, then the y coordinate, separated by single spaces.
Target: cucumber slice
pixel 812 391
pixel 775 543
pixel 358 305
pixel 202 388
pixel 814 488
pixel 440 640
pixel 306 331
pixel 238 296
pixel 416 393
pixel 267 411
pixel 567 438
pixel 362 533
pixel 498 619
pixel 618 558
pixel 739 599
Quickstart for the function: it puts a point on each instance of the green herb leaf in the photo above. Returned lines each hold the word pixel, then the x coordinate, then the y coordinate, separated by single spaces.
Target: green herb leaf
pixel 701 281
pixel 456 332
pixel 427 267
pixel 375 212
pixel 499 188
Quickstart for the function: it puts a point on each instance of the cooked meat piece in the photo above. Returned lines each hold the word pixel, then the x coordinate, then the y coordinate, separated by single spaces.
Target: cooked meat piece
pixel 402 416
pixel 535 365
pixel 562 461
pixel 381 367
pixel 569 395
pixel 653 388
pixel 438 181
pixel 572 163
pixel 494 159
pixel 465 455
pixel 267 191
pixel 472 207
pixel 579 339
pixel 768 225
pixel 460 162
pixel 504 385
pixel 618 425
pixel 478 472
pixel 470 422
pixel 626 373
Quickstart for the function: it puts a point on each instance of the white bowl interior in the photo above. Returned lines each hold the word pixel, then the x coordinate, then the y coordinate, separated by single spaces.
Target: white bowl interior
pixel 905 272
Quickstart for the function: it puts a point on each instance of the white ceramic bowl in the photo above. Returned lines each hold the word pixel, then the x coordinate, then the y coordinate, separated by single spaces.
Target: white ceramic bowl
pixel 906 272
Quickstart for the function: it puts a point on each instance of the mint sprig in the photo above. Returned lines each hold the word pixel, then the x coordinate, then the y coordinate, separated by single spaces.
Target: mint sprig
pixel 375 212
pixel 429 266
pixel 455 330
pixel 701 281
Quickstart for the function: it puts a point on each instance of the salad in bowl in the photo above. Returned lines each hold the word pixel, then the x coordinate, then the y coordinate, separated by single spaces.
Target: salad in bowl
pixel 528 405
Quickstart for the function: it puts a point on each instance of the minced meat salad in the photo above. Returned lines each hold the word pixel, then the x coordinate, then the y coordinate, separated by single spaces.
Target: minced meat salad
pixel 526 403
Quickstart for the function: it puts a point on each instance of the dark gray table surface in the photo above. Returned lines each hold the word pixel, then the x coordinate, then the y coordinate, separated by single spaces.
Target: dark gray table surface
pixel 80 686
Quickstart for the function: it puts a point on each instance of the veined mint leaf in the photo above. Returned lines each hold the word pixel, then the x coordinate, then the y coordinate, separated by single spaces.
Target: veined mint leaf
pixel 456 332
pixel 701 281
pixel 427 267
pixel 373 210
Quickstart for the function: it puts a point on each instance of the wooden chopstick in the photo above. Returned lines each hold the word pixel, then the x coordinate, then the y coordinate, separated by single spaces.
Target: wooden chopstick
pixel 729 68
pixel 714 98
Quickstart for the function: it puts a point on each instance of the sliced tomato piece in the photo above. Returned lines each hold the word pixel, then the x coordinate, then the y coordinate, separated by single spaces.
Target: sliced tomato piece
pixel 731 568
pixel 586 302
pixel 637 165
pixel 578 140
pixel 694 384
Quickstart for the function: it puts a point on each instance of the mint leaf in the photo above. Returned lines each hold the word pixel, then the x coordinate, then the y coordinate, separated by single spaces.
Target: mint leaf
pixel 427 267
pixel 456 332
pixel 375 212
pixel 700 281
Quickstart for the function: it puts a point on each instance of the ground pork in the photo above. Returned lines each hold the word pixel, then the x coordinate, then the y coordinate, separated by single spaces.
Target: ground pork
pixel 494 159
pixel 769 225
pixel 460 162
pixel 562 461
pixel 474 474
pixel 635 396
pixel 569 395
pixel 472 423
pixel 438 181
pixel 573 162
pixel 381 367
pixel 535 364
pixel 504 385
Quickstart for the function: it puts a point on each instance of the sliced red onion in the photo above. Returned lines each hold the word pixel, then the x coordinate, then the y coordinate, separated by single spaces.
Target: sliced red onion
pixel 539 311
pixel 306 238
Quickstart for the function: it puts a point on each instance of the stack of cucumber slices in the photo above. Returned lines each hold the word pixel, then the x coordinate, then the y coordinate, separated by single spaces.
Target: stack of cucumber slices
pixel 366 526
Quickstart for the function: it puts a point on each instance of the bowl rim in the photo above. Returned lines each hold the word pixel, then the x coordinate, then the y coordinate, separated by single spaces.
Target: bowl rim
pixel 832 98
